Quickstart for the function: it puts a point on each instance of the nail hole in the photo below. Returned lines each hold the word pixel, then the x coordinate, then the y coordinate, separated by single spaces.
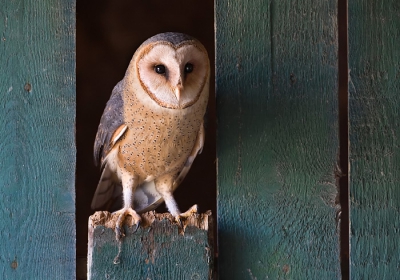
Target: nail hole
pixel 28 87
pixel 14 264
pixel 292 79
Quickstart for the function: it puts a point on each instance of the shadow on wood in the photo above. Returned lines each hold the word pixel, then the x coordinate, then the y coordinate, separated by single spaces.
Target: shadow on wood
pixel 159 249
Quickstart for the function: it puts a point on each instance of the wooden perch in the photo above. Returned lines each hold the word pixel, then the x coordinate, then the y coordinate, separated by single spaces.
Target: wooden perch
pixel 159 249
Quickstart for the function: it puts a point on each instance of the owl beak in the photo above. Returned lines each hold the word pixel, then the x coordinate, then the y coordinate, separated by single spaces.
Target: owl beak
pixel 178 91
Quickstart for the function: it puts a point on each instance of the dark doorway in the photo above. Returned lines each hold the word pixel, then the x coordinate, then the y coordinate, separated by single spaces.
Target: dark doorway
pixel 108 33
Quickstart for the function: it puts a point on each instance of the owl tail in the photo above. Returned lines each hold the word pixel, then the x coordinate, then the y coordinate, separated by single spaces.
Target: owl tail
pixel 105 189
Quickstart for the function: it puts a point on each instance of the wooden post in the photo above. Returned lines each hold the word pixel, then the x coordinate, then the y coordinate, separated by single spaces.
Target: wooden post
pixel 37 139
pixel 277 107
pixel 374 105
pixel 158 250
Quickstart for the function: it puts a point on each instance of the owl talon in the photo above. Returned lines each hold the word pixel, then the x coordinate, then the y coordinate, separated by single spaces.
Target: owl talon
pixel 179 221
pixel 187 214
pixel 119 232
pixel 137 226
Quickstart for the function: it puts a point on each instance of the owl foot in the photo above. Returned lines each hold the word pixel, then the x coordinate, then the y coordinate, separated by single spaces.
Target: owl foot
pixel 121 218
pixel 185 215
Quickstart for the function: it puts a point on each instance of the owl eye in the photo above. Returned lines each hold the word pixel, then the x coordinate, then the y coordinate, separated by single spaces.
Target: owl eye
pixel 160 69
pixel 188 68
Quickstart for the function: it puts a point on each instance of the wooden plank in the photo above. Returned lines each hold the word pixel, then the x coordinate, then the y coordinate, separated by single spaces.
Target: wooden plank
pixel 374 104
pixel 158 250
pixel 37 149
pixel 276 69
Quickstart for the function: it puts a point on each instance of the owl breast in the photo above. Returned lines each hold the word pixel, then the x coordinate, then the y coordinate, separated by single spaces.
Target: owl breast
pixel 157 143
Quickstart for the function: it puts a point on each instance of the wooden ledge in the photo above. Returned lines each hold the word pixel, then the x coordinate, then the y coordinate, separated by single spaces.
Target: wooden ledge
pixel 108 220
pixel 159 249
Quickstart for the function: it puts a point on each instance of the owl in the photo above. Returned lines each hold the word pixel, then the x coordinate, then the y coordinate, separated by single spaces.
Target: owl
pixel 152 127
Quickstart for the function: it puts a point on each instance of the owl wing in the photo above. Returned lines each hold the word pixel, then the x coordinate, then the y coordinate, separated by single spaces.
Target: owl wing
pixel 111 129
pixel 146 197
pixel 111 124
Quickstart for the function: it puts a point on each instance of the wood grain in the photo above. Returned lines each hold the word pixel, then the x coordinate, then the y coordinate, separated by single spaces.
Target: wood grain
pixel 374 103
pixel 277 143
pixel 158 250
pixel 37 149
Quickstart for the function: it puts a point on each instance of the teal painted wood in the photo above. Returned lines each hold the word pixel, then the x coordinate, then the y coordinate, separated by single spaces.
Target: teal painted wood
pixel 37 149
pixel 374 105
pixel 276 69
pixel 155 251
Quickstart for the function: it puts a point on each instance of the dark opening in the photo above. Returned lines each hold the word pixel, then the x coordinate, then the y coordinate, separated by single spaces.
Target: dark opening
pixel 108 33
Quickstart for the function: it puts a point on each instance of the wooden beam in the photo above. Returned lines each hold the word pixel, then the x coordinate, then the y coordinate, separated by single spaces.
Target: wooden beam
pixel 374 111
pixel 277 107
pixel 158 250
pixel 37 139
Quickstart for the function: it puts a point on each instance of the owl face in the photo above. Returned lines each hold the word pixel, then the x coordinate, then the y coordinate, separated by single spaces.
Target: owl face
pixel 173 75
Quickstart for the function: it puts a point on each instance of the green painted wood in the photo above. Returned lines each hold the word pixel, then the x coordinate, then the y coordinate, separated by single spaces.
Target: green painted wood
pixel 277 87
pixel 157 250
pixel 37 149
pixel 374 112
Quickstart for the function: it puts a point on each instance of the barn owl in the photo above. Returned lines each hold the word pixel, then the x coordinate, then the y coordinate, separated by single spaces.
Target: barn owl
pixel 152 127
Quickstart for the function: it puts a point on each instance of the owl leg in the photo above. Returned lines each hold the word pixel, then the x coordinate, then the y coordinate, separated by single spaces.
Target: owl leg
pixel 164 187
pixel 129 184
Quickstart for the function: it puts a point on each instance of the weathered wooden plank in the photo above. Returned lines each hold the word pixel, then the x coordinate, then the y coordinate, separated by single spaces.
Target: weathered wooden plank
pixel 158 250
pixel 276 69
pixel 374 104
pixel 37 150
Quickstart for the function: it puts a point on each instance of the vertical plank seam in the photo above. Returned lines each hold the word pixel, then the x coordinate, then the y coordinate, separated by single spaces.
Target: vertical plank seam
pixel 343 97
pixel 271 20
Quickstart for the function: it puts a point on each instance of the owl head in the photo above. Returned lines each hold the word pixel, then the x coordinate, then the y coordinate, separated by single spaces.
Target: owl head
pixel 172 68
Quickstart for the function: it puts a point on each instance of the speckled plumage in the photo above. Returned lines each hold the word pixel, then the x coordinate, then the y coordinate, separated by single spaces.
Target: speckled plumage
pixel 152 127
